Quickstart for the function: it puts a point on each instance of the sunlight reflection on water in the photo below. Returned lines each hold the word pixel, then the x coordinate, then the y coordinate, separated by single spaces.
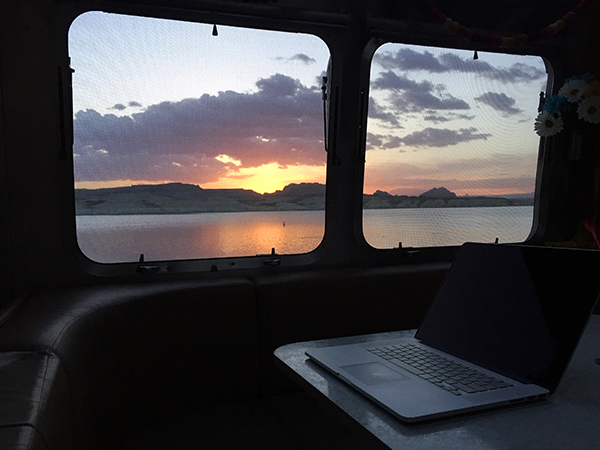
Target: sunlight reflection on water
pixel 109 239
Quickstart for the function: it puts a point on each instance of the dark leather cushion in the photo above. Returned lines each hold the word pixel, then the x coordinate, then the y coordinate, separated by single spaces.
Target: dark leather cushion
pixel 33 401
pixel 135 354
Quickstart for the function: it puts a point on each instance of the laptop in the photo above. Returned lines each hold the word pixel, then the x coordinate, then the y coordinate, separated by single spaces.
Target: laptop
pixel 501 330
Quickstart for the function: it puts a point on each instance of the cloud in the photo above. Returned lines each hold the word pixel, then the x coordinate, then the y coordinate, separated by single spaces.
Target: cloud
pixel 282 123
pixel 383 141
pixel 464 116
pixel 436 118
pixel 121 106
pixel 442 137
pixel 411 96
pixel 406 95
pixel 389 80
pixel 428 137
pixel 407 59
pixel 278 85
pixel 376 111
pixel 301 57
pixel 418 101
pixel 500 102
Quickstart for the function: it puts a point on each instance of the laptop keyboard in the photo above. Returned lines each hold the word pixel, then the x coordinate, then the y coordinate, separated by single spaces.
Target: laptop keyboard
pixel 448 374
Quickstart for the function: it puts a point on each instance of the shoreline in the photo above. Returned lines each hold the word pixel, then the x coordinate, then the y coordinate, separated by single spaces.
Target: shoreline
pixel 162 212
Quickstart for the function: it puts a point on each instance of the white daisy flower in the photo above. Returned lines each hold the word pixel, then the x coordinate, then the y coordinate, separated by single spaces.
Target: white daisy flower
pixel 547 124
pixel 573 90
pixel 589 109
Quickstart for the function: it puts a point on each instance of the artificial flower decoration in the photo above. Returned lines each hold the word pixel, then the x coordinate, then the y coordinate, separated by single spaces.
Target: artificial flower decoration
pixel 548 124
pixel 555 104
pixel 577 100
pixel 495 40
pixel 573 90
pixel 589 110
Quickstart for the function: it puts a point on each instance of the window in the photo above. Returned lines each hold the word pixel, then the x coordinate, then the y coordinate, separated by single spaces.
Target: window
pixel 451 150
pixel 195 140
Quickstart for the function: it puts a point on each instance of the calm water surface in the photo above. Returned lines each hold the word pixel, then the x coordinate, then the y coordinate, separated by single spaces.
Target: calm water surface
pixel 431 227
pixel 109 239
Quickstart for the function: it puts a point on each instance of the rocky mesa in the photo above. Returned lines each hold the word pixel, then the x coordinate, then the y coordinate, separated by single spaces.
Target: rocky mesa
pixel 181 198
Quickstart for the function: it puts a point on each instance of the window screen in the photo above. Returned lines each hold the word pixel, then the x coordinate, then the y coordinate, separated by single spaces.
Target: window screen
pixel 451 150
pixel 195 141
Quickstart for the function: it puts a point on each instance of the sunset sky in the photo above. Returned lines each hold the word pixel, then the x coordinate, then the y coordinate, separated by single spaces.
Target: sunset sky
pixel 159 101
pixel 442 118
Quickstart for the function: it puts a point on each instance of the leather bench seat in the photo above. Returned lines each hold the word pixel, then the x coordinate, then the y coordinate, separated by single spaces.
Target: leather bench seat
pixel 22 437
pixel 119 366
pixel 34 400
pixel 130 356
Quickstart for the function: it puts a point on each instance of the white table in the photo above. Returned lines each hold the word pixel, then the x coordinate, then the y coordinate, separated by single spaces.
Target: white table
pixel 569 419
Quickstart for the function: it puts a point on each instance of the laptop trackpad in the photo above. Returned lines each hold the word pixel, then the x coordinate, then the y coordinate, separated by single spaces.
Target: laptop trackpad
pixel 373 373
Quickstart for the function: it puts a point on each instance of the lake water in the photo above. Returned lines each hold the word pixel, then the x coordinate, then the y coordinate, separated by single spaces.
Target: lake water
pixel 110 239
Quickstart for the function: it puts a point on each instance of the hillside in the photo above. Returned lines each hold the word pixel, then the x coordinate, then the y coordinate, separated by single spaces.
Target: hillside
pixel 180 198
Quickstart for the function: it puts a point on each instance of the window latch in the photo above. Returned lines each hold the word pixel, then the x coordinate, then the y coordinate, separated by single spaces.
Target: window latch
pixel 272 262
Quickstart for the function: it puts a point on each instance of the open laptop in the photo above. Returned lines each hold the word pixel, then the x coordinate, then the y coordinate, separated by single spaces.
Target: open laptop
pixel 501 329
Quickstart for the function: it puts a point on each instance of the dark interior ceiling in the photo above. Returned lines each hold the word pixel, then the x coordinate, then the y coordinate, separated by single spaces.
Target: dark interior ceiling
pixel 502 16
pixel 517 16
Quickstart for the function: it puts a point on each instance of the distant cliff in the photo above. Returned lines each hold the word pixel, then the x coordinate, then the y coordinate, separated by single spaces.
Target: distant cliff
pixel 180 198
pixel 440 192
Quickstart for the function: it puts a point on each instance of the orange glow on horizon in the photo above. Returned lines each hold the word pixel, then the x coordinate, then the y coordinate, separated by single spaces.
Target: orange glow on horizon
pixel 269 178
pixel 264 183
pixel 114 183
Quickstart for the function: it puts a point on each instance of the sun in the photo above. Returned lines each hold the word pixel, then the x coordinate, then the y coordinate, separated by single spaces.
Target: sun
pixel 269 178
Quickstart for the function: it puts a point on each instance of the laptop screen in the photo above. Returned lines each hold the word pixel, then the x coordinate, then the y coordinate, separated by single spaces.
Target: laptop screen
pixel 517 310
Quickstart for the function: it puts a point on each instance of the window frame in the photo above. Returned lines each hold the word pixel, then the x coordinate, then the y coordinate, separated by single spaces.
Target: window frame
pixel 384 34
pixel 427 48
pixel 351 46
pixel 236 264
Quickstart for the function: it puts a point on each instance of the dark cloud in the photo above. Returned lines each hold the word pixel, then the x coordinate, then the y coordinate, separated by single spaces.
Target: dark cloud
pixel 278 85
pixel 412 96
pixel 121 106
pixel 301 57
pixel 418 101
pixel 436 119
pixel 500 102
pixel 516 72
pixel 428 137
pixel 442 137
pixel 528 73
pixel 376 111
pixel 280 123
pixel 407 59
pixel 389 80
pixel 383 142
